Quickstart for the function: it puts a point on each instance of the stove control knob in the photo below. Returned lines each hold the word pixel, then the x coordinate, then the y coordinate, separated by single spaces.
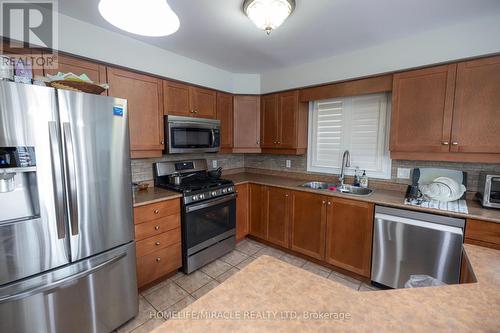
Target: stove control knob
pixel 202 196
pixel 194 197
pixel 214 193
pixel 230 189
pixel 224 190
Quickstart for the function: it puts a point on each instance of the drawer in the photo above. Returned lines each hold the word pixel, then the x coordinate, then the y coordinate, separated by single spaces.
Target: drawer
pixel 157 264
pixel 156 227
pixel 157 210
pixel 483 233
pixel 157 242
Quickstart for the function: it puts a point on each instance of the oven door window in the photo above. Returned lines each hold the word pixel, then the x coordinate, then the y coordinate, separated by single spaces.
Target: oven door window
pixel 204 223
pixel 191 137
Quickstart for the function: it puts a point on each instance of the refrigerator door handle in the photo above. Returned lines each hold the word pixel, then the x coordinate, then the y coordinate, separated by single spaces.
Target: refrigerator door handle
pixel 72 193
pixel 58 187
pixel 47 288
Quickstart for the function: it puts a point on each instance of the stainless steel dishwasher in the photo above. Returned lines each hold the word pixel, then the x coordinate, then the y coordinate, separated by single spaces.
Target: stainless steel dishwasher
pixel 408 243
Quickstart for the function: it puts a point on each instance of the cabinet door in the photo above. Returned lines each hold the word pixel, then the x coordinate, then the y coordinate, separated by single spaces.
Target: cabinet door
pixel 258 227
pixel 17 51
pixel 225 115
pixel 349 235
pixel 246 124
pixel 145 109
pixel 476 119
pixel 288 107
pixel 269 121
pixel 422 110
pixel 203 102
pixel 176 99
pixel 278 216
pixel 66 64
pixel 308 224
pixel 241 211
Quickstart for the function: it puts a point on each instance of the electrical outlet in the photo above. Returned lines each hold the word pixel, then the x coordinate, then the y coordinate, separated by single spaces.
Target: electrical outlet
pixel 214 164
pixel 404 173
pixel 288 163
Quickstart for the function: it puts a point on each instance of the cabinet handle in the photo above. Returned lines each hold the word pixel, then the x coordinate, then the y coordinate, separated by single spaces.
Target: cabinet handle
pixel 162 142
pixel 454 143
pixel 156 211
pixel 157 243
pixel 324 202
pixel 158 259
pixel 445 143
pixel 329 203
pixel 279 142
pixel 286 195
pixel 157 227
pixel 195 111
pixel 258 142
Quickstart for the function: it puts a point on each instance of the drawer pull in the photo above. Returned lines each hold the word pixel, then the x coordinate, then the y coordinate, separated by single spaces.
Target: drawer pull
pixel 157 243
pixel 158 259
pixel 156 211
pixel 157 227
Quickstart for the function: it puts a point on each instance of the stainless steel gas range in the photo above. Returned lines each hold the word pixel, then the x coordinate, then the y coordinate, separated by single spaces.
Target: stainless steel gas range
pixel 208 222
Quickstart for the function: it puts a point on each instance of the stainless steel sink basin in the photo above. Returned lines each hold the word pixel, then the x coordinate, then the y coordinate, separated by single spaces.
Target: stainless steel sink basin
pixel 347 189
pixel 317 185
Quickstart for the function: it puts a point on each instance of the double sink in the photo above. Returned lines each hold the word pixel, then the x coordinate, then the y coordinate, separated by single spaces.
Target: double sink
pixel 347 189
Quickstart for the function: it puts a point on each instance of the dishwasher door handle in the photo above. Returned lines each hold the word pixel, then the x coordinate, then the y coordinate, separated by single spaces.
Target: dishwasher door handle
pixel 419 223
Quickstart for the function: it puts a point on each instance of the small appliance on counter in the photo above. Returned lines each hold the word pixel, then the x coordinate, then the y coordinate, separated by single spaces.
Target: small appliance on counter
pixel 489 190
pixel 208 221
pixel 439 189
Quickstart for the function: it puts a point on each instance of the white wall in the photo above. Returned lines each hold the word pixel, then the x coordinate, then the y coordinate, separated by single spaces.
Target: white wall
pixel 467 39
pixel 81 38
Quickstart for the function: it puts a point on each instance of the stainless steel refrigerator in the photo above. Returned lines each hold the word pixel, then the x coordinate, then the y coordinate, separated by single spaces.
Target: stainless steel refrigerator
pixel 67 256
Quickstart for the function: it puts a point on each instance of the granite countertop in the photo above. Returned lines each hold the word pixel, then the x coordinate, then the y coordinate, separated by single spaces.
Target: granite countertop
pixel 152 195
pixel 265 293
pixel 379 196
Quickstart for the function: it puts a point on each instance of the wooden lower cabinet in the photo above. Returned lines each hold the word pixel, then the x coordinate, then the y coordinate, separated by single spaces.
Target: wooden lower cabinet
pixel 308 224
pixel 278 216
pixel 242 213
pixel 483 233
pixel 349 231
pixel 158 240
pixel 257 205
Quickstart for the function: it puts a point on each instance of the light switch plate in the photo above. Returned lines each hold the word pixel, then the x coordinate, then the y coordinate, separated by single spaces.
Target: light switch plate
pixel 214 164
pixel 288 163
pixel 404 173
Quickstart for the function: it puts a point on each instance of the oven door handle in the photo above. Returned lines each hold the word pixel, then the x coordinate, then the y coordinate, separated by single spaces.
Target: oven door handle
pixel 210 203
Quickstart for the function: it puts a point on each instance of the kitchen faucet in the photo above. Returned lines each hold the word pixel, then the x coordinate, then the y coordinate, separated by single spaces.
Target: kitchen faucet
pixel 346 162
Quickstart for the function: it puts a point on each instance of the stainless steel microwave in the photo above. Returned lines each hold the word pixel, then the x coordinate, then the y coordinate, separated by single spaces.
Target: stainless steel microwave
pixel 191 135
pixel 489 190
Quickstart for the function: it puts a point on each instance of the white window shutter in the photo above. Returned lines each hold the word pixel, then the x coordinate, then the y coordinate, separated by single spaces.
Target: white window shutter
pixel 357 124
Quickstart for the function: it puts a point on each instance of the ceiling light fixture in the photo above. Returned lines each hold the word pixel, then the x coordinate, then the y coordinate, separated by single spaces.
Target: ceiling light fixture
pixel 152 18
pixel 268 14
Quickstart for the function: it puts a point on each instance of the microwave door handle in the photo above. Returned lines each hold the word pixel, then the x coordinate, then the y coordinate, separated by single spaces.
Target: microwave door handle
pixel 58 187
pixel 72 193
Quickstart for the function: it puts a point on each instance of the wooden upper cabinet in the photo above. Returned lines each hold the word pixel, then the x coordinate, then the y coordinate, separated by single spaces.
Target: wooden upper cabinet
pixel 284 123
pixel 202 102
pixel 278 216
pixel 246 124
pixel 145 108
pixel 242 212
pixel 17 51
pixel 422 110
pixel 288 114
pixel 176 99
pixel 225 115
pixel 95 72
pixel 257 201
pixel 308 224
pixel 349 233
pixel 476 118
pixel 269 121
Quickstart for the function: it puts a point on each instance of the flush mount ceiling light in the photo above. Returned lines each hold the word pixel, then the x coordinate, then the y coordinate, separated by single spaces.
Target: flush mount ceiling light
pixel 268 14
pixel 152 18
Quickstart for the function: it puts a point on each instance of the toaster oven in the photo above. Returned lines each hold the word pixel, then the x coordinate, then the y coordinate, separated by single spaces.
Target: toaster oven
pixel 489 190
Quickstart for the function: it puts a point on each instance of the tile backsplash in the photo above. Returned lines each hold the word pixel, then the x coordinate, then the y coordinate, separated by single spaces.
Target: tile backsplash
pixel 142 169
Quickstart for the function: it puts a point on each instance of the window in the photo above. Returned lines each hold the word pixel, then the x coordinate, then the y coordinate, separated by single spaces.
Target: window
pixel 358 124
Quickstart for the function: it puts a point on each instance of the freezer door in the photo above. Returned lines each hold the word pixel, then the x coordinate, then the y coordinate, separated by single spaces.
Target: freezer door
pixel 93 295
pixel 32 217
pixel 97 167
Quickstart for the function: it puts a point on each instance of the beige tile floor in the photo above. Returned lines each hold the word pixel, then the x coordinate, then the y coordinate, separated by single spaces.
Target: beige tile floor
pixel 180 290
